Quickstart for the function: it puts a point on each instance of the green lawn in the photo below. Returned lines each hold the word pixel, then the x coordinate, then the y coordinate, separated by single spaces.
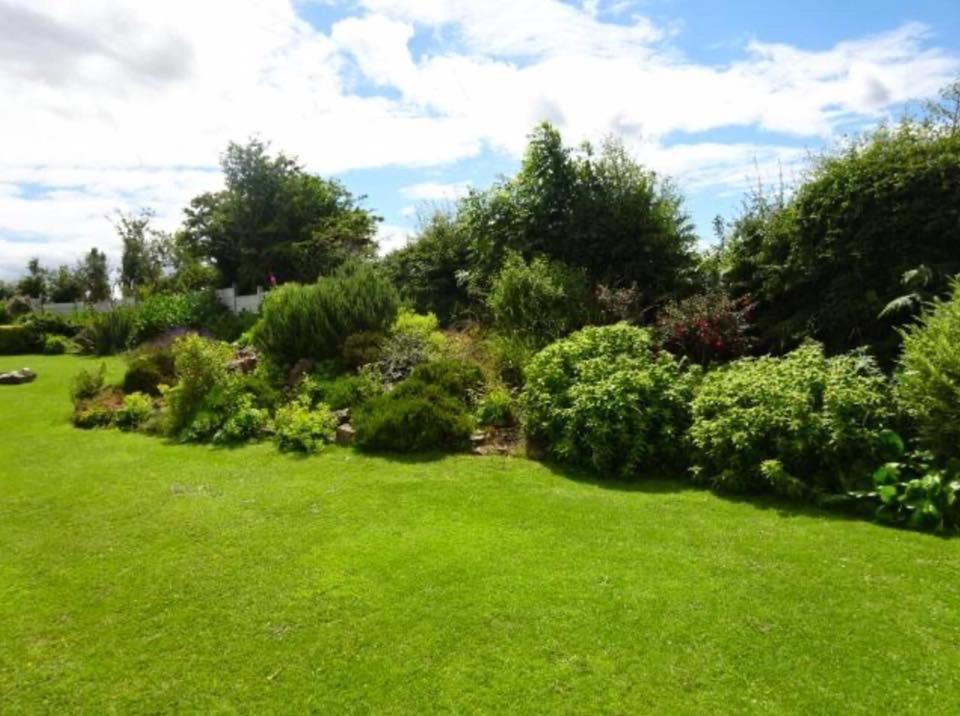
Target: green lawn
pixel 138 576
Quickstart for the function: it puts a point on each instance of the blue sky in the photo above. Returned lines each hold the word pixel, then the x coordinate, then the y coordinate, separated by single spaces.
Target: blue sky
pixel 122 104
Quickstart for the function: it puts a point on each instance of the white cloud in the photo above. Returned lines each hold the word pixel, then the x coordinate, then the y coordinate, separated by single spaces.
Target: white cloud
pixel 121 103
pixel 437 191
pixel 391 237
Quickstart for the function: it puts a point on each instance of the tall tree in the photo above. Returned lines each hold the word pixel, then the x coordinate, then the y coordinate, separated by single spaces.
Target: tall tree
pixel 95 276
pixel 65 285
pixel 34 284
pixel 273 219
pixel 141 263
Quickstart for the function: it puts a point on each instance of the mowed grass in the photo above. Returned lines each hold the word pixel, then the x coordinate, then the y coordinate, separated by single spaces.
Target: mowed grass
pixel 139 576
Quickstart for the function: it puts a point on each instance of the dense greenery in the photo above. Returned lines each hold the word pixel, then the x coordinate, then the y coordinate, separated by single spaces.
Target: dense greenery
pixel 928 380
pixel 314 321
pixel 605 397
pixel 795 425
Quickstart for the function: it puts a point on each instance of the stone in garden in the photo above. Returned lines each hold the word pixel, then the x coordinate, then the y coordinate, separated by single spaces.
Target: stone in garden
pixel 16 377
pixel 342 416
pixel 299 371
pixel 244 361
pixel 345 434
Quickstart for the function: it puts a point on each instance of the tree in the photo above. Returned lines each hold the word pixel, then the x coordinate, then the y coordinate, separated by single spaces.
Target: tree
pixel 141 263
pixel 428 271
pixel 65 286
pixel 602 212
pixel 34 284
pixel 95 276
pixel 826 261
pixel 274 219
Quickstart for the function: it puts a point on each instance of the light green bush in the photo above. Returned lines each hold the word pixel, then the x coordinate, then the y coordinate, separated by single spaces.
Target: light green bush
pixel 302 428
pixel 790 425
pixel 134 412
pixel 604 397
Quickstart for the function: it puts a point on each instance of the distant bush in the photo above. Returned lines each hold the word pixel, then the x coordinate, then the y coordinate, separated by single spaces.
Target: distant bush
pixel 604 397
pixel 344 392
pixel 245 422
pixel 300 427
pixel 15 340
pixel 539 300
pixel 148 369
pixel 160 312
pixel 17 306
pixel 88 383
pixel 928 380
pixel 314 321
pixel 413 339
pixel 56 345
pixel 109 332
pixel 49 323
pixel 135 410
pixel 793 425
pixel 414 416
pixel 706 328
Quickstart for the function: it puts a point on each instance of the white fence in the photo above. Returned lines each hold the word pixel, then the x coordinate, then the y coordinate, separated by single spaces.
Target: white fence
pixel 238 303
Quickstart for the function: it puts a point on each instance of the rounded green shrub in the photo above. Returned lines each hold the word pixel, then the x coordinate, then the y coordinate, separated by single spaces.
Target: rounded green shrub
pixel 497 409
pixel 135 410
pixel 928 379
pixel 56 345
pixel 415 416
pixel 347 391
pixel 458 378
pixel 790 425
pixel 606 398
pixel 302 428
pixel 148 369
pixel 362 348
pixel 15 340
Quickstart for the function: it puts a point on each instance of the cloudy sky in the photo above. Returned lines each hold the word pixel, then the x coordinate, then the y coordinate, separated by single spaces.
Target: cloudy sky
pixel 127 103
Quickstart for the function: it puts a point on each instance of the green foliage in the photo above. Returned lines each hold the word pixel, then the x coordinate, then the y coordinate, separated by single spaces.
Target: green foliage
pixel 822 420
pixel 160 312
pixel 302 428
pixel 17 306
pixel 413 339
pixel 428 271
pixel 706 328
pixel 363 348
pixel 88 383
pixel 497 409
pixel 49 323
pixel 56 345
pixel 415 416
pixel 347 391
pixel 245 422
pixel 604 397
pixel 917 494
pixel 511 355
pixel 19 339
pixel 99 410
pixel 539 301
pixel 928 379
pixel 109 332
pixel 314 321
pixel 198 403
pixel 458 379
pixel 148 369
pixel 134 412
pixel 825 262
pixel 274 219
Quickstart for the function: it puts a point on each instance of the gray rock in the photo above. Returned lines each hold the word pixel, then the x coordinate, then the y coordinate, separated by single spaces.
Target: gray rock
pixel 342 416
pixel 24 375
pixel 345 434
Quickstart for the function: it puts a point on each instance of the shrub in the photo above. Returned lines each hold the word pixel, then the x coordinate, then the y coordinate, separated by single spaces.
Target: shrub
pixel 109 332
pixel 98 411
pixel 457 378
pixel 162 311
pixel 345 392
pixel 5 317
pixel 56 345
pixel 88 383
pixel 50 323
pixel 200 365
pixel 19 339
pixel 706 328
pixel 303 428
pixel 245 422
pixel 148 369
pixel 539 301
pixel 414 416
pixel 511 355
pixel 497 409
pixel 18 306
pixel 822 420
pixel 363 348
pixel 928 380
pixel 134 412
pixel 413 339
pixel 915 492
pixel 314 321
pixel 606 398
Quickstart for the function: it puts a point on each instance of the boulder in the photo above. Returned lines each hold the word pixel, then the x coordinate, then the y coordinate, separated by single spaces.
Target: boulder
pixel 24 375
pixel 345 434
pixel 244 361
pixel 342 416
